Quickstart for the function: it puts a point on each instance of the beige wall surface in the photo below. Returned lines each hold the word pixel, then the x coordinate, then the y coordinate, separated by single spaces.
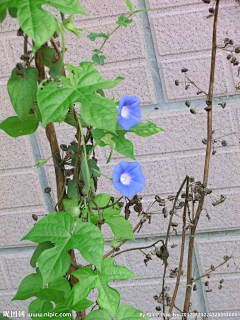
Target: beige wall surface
pixel 150 55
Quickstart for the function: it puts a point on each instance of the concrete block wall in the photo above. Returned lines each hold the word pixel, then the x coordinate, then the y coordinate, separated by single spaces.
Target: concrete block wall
pixel 150 54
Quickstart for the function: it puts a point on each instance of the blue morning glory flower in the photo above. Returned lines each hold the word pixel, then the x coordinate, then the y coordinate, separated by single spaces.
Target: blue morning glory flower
pixel 129 114
pixel 128 178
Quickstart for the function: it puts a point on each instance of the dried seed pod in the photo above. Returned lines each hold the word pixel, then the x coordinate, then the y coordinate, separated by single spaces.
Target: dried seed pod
pixel 64 147
pixel 204 141
pixel 212 267
pixel 191 179
pixel 208 108
pixel 226 40
pixel 164 210
pixel 174 224
pixel 47 190
pixel 35 217
pixel 237 49
pixel 187 86
pixel 233 59
pixel 229 56
pixel 158 308
pixel 211 10
pixel 138 207
pixel 220 287
pixel 177 83
pixel 222 198
pixel 121 204
pixel 222 280
pixel 193 110
pixel 236 63
pixel 19 66
pixel 194 287
pixel 25 57
pixel 206 283
pixel 184 70
pixel 157 198
pixel 70 153
pixel 20 32
pixel 199 92
pixel 208 102
pixel 155 297
pixel 162 203
pixel 214 152
pixel 20 73
pixel 231 42
pixel 206 1
pixel 209 290
pixel 197 197
pixel 183 195
pixel 209 190
pixel 188 103
pixel 171 198
pixel 223 104
pixel 74 143
pixel 148 256
pixel 174 245
pixel 224 143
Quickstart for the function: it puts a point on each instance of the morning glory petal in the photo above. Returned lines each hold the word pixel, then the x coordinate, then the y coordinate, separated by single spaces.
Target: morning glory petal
pixel 129 114
pixel 128 178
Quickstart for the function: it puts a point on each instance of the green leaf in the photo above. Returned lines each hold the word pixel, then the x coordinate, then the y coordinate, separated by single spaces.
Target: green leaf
pixel 56 227
pixel 29 287
pixel 39 306
pixel 70 120
pixel 108 298
pixel 92 165
pixel 40 248
pixel 126 312
pixel 3 15
pixel 98 59
pixel 2 317
pixel 52 61
pixel 93 36
pixel 72 189
pixel 120 227
pixel 145 129
pixel 14 127
pixel 41 162
pixel 55 98
pixel 98 134
pixel 85 171
pixel 54 295
pixel 22 90
pixel 99 315
pixel 124 21
pixel 61 284
pixel 37 23
pixel 129 4
pixel 117 141
pixel 143 10
pixel 82 305
pixel 123 145
pixel 13 12
pixel 71 206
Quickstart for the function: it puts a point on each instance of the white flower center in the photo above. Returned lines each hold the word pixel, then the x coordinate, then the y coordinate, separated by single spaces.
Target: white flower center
pixel 125 178
pixel 124 112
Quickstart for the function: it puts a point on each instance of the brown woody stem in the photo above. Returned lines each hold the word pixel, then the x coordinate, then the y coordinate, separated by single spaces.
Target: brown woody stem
pixel 207 162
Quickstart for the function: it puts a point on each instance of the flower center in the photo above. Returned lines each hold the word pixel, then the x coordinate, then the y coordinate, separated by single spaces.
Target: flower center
pixel 124 112
pixel 125 178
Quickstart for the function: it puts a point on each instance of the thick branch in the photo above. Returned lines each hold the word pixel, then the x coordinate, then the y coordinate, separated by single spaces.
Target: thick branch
pixel 52 138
